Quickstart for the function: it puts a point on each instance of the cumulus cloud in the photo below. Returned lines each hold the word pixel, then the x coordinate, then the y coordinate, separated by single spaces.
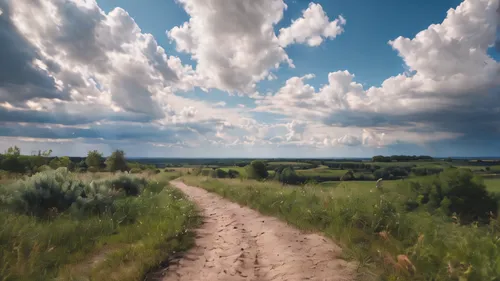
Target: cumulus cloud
pixel 231 57
pixel 454 87
pixel 71 72
pixel 234 57
pixel 91 57
pixel 312 28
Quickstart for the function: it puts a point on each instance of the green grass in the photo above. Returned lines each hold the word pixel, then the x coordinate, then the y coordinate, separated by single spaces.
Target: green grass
pixel 240 170
pixel 321 172
pixel 493 185
pixel 354 213
pixel 98 247
pixel 288 163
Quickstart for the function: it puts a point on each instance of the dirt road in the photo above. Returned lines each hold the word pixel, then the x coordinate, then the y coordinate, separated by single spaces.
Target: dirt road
pixel 236 243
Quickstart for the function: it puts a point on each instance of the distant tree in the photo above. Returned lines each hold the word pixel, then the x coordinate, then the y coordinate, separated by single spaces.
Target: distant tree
pixel 58 162
pixel 11 161
pixel 232 174
pixel 13 151
pixel 289 176
pixel 257 170
pixel 116 162
pixel 349 175
pixel 93 159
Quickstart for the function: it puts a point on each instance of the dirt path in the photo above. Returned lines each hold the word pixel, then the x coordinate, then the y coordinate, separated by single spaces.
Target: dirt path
pixel 237 243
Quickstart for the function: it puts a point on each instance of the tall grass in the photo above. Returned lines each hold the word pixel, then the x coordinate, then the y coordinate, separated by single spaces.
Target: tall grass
pixel 131 237
pixel 389 242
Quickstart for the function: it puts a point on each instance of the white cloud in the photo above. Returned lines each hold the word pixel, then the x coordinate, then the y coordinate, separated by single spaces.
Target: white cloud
pixel 451 72
pixel 231 57
pixel 312 28
pixel 100 58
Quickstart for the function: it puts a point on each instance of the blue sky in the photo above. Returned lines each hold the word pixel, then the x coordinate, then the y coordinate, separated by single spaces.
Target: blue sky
pixel 267 78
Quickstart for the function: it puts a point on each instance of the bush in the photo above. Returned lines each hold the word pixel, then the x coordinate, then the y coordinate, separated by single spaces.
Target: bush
pixel 257 170
pixel 93 169
pixel 232 174
pixel 45 193
pixel 135 171
pixel 131 186
pixel 288 176
pixel 457 191
pixel 49 193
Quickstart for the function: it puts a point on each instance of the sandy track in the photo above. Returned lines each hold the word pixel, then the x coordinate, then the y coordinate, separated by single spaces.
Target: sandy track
pixel 236 243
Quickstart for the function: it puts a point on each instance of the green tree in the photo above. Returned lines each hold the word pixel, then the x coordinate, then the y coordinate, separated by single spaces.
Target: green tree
pixel 11 161
pixel 257 170
pixel 289 176
pixel 116 162
pixel 93 159
pixel 13 151
pixel 349 175
pixel 58 162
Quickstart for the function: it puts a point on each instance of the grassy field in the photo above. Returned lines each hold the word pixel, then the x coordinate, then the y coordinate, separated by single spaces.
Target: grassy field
pixel 124 243
pixel 240 170
pixel 321 172
pixel 493 185
pixel 389 242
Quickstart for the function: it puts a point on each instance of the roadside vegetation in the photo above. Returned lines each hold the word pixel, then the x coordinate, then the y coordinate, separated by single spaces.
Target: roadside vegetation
pixel 97 217
pixel 440 227
pixel 62 225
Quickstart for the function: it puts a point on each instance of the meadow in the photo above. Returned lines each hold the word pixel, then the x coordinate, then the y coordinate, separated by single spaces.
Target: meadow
pixel 57 225
pixel 389 233
pixel 80 218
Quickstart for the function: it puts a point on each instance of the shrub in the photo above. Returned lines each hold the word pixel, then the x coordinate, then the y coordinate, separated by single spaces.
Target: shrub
pixel 116 161
pixel 46 192
pixel 131 186
pixel 288 176
pixel 457 191
pixel 52 192
pixel 218 173
pixel 135 171
pixel 93 169
pixel 232 174
pixel 257 170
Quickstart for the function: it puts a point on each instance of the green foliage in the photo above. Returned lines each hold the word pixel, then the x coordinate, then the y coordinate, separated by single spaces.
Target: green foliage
pixel 60 162
pixel 94 159
pixel 45 193
pixel 376 228
pixel 349 175
pixel 116 162
pixel 132 238
pixel 232 174
pixel 135 171
pixel 288 176
pixel 52 192
pixel 257 170
pixel 218 173
pixel 131 185
pixel 457 191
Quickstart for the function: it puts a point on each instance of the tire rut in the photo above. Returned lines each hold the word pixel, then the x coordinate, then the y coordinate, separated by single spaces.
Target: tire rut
pixel 237 243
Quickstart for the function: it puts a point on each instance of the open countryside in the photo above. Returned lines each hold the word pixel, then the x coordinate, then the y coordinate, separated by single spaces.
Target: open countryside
pixel 249 140
pixel 125 219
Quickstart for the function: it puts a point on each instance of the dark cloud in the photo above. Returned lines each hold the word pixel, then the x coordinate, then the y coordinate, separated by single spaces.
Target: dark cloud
pixel 474 116
pixel 78 37
pixel 107 132
pixel 19 79
pixel 59 116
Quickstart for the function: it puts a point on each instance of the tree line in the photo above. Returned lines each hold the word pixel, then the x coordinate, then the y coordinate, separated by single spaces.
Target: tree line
pixel 13 161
